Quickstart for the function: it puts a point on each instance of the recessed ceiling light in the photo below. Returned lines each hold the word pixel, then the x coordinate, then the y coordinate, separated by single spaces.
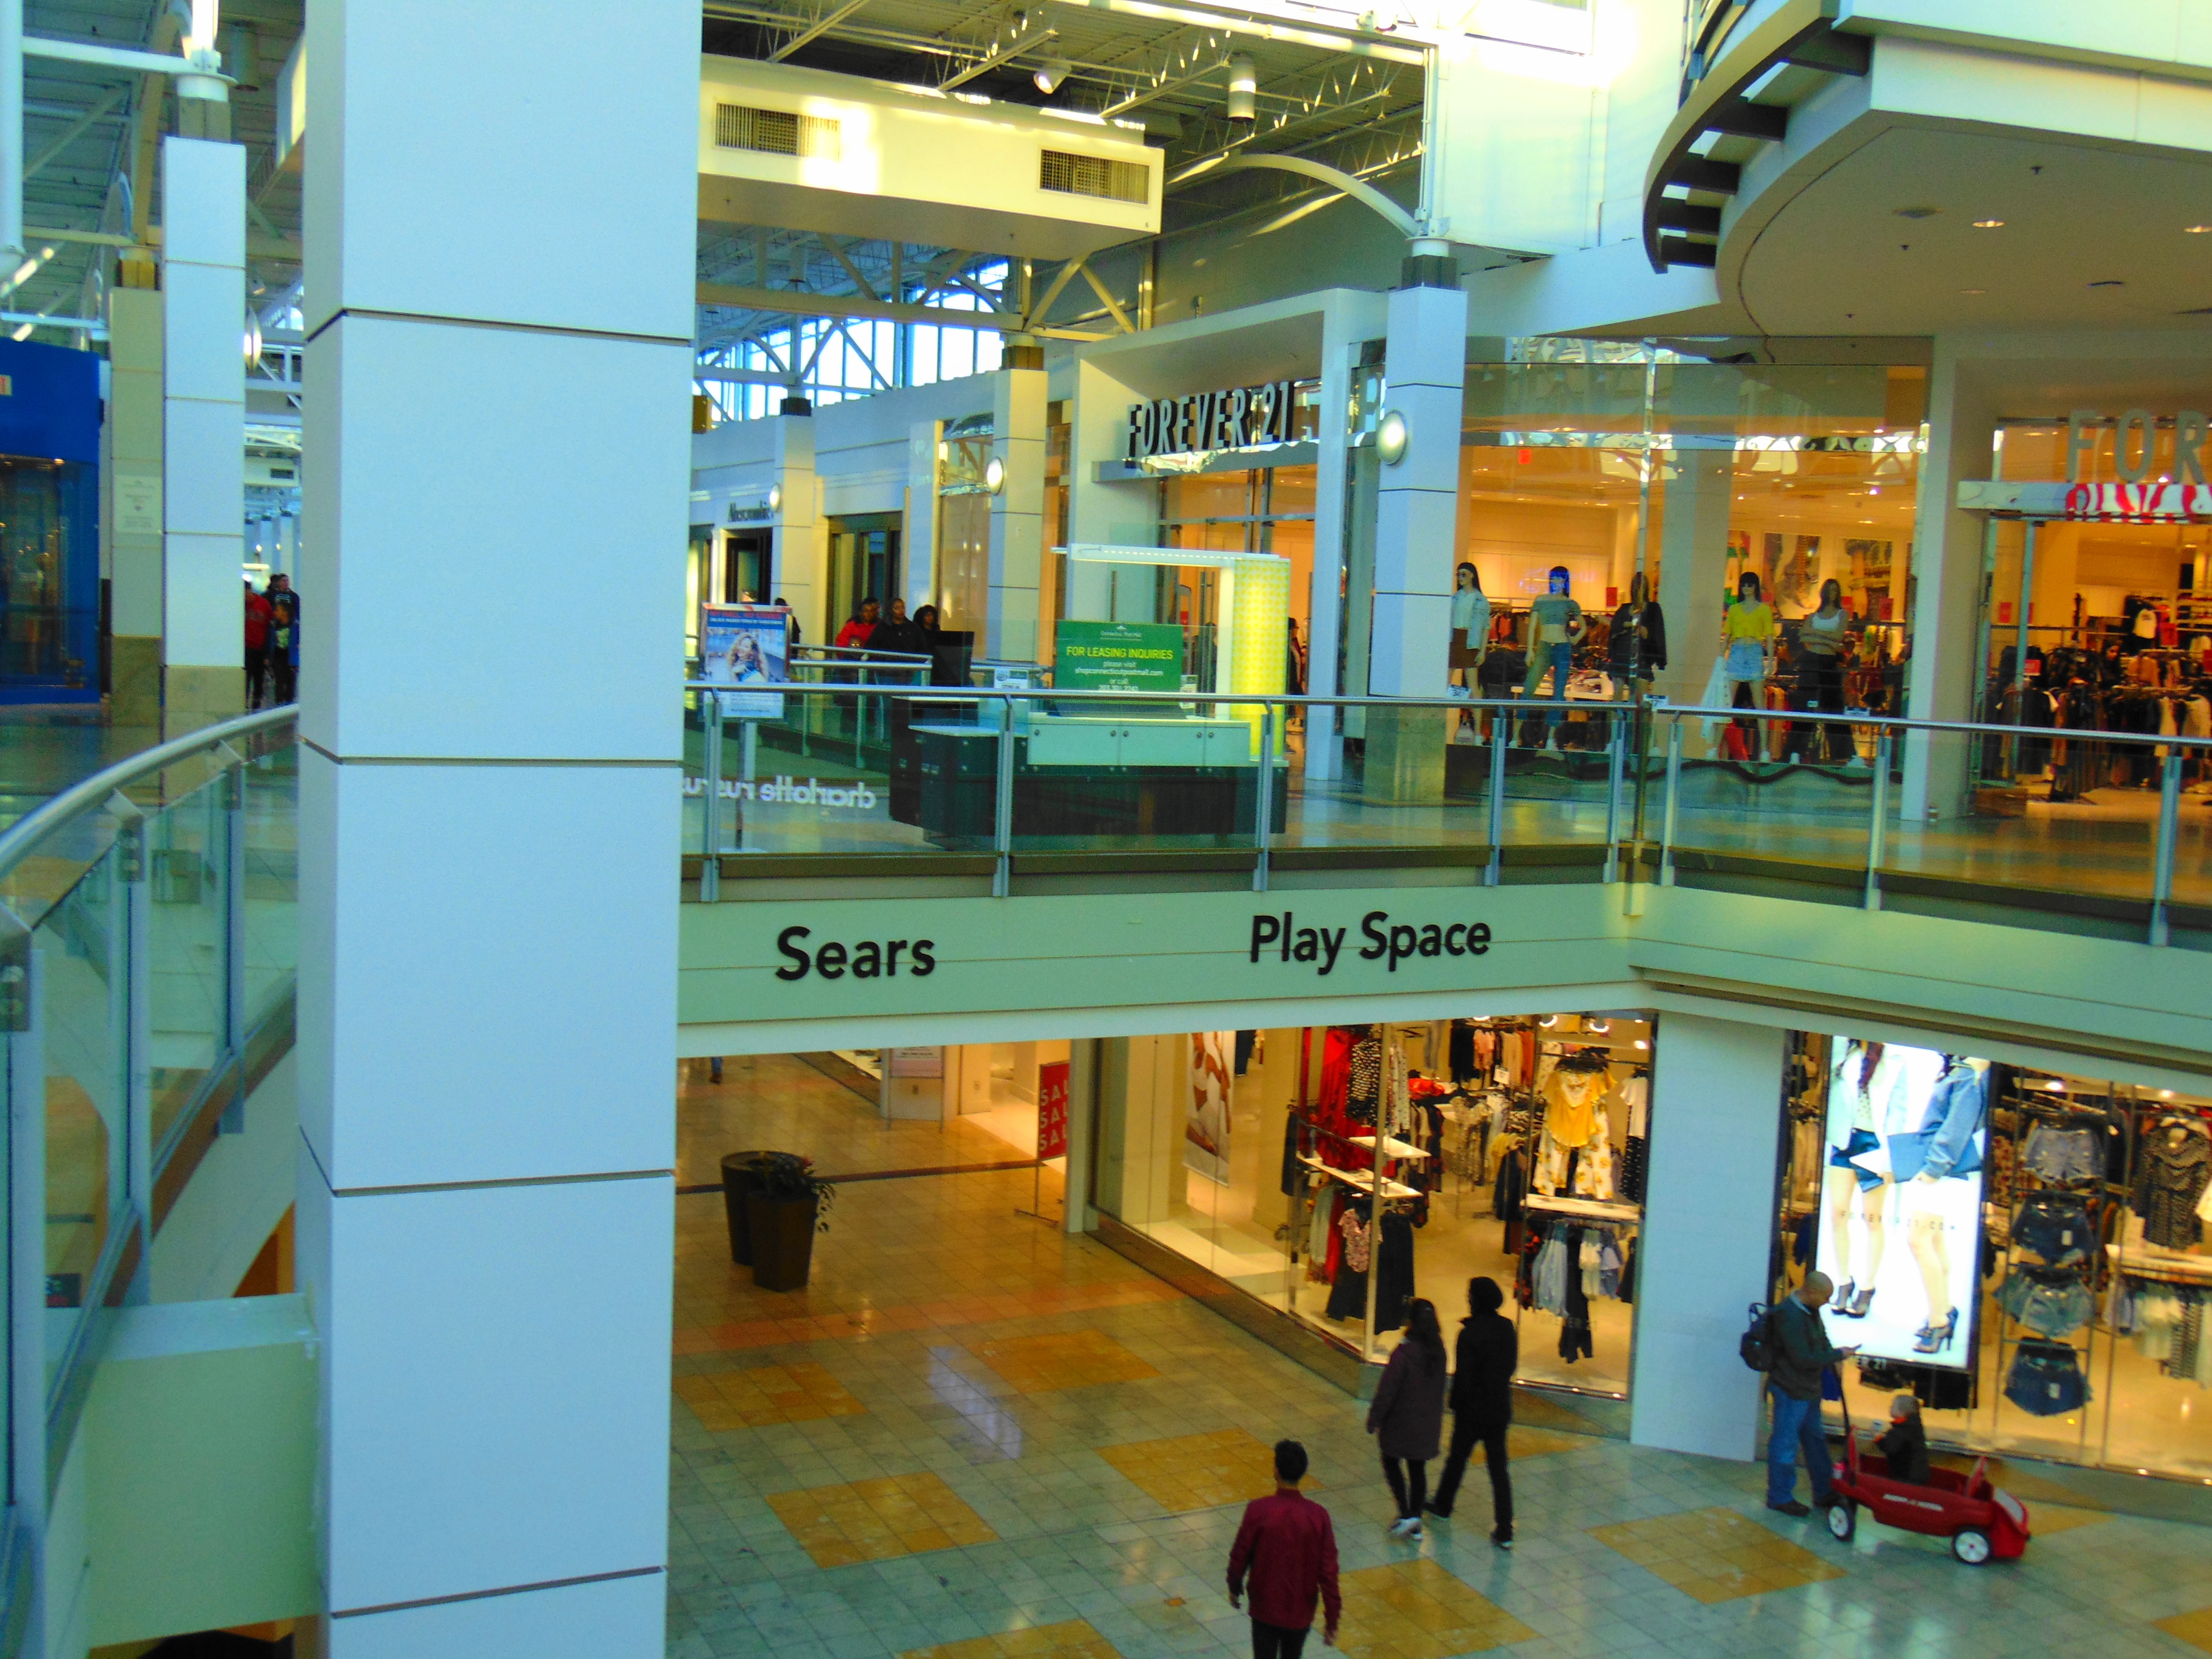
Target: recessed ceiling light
pixel 1973 290
pixel 2196 230
pixel 1989 224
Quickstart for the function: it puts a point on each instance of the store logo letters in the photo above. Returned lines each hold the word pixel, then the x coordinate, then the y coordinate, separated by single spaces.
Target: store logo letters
pixel 1320 945
pixel 1235 419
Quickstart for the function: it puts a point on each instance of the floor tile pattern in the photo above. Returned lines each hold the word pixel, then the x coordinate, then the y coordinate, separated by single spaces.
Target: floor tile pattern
pixel 1076 1541
pixel 874 1520
pixel 1417 1610
pixel 1185 1471
pixel 1715 1555
pixel 1062 1359
pixel 798 1392
pixel 1072 1638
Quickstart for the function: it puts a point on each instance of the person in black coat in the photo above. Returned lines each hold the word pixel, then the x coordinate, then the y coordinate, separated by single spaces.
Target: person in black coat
pixel 1482 1404
pixel 1408 1415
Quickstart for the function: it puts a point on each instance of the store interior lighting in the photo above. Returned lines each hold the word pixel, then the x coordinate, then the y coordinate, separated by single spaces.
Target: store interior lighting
pixel 1050 73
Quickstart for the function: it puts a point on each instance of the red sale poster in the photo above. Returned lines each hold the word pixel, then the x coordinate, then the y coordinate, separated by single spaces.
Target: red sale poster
pixel 1051 1109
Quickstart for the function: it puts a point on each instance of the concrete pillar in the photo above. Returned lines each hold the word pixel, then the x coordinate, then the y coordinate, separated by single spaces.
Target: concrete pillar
pixel 130 501
pixel 203 432
pixel 918 555
pixel 1018 441
pixel 1326 601
pixel 1709 1229
pixel 800 554
pixel 1416 532
pixel 1946 561
pixel 486 1185
pixel 1699 492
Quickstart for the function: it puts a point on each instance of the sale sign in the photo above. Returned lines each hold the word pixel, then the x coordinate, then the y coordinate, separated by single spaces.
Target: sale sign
pixel 1051 1109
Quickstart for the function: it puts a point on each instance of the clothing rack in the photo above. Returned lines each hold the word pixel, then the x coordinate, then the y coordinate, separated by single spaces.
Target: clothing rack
pixel 1595 1209
pixel 1360 1181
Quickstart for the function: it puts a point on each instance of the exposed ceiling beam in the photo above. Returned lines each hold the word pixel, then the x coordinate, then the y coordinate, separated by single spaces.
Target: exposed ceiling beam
pixel 790 302
pixel 1161 89
pixel 1013 49
pixel 821 26
pixel 1358 189
pixel 853 270
pixel 74 131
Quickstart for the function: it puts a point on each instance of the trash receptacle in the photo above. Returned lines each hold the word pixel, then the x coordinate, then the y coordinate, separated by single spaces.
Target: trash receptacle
pixel 737 1184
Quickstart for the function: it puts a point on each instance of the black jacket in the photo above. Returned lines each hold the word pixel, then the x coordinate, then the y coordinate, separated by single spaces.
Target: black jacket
pixel 1905 1445
pixel 1653 656
pixel 1802 1350
pixel 1489 1349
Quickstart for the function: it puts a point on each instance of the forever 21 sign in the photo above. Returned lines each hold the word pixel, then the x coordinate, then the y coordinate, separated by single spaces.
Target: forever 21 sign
pixel 1237 419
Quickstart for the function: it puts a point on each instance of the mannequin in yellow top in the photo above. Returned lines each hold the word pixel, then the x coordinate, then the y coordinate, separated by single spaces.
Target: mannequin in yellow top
pixel 1748 633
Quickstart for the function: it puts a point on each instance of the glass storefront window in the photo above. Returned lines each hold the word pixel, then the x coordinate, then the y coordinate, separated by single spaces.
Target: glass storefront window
pixel 1511 1149
pixel 2078 1336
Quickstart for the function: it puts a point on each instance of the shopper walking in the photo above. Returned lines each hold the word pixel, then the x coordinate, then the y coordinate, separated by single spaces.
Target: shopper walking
pixel 257 646
pixel 1288 1549
pixel 1801 1351
pixel 1482 1405
pixel 283 640
pixel 1408 1417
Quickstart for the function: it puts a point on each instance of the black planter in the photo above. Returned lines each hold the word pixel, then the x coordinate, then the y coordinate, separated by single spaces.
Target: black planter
pixel 737 1182
pixel 782 1240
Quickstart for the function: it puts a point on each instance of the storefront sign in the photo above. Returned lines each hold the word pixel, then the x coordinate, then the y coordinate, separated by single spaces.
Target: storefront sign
pixel 1242 418
pixel 783 790
pixel 1051 1109
pixel 1098 656
pixel 1386 941
pixel 2090 503
pixel 869 959
pixel 2135 439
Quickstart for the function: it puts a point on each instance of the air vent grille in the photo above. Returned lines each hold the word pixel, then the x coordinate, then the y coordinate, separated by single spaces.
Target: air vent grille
pixel 777 132
pixel 1090 175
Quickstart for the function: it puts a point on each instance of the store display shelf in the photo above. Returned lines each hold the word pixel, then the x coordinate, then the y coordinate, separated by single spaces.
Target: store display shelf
pixel 1358 1180
pixel 1598 1208
pixel 2147 1262
pixel 1391 1147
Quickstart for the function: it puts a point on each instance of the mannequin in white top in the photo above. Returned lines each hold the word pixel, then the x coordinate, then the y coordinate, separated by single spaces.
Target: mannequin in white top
pixel 1470 629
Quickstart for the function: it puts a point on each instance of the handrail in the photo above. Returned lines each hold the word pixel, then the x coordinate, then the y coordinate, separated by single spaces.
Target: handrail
pixel 1523 705
pixel 86 795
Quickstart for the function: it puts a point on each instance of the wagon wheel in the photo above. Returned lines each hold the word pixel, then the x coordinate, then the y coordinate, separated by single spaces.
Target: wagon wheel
pixel 1843 1520
pixel 1970 1545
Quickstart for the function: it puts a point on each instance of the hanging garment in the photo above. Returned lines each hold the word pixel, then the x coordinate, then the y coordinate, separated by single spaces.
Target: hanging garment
pixel 2173 1169
pixel 2046 1379
pixel 1394 1271
pixel 1363 1096
pixel 1574 1308
pixel 1571 1114
pixel 2051 1301
pixel 1593 1165
pixel 1461 1050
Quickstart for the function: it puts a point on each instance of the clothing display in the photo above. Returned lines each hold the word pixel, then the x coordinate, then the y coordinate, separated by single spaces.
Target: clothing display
pixel 2062 1155
pixel 2172 1170
pixel 2051 1300
pixel 2046 1379
pixel 2056 1226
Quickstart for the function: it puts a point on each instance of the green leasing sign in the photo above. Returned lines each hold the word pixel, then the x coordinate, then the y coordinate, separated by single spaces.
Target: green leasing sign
pixel 1106 656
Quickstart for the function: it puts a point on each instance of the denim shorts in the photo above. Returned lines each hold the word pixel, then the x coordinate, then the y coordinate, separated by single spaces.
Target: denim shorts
pixel 2044 1380
pixel 2053 1303
pixel 2055 1226
pixel 1746 660
pixel 2064 1154
pixel 1861 1142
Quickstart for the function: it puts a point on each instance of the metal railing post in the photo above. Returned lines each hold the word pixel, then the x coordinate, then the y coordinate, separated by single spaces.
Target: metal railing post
pixel 1878 829
pixel 859 717
pixel 131 869
pixel 21 996
pixel 1616 758
pixel 234 916
pixel 1263 816
pixel 2169 833
pixel 1673 796
pixel 1002 804
pixel 710 799
pixel 1501 733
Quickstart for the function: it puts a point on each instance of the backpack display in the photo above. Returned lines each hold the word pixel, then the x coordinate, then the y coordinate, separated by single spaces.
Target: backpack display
pixel 1758 1344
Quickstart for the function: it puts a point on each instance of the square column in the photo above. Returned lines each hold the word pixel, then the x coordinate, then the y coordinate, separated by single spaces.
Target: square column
pixel 799 568
pixel 1416 539
pixel 203 432
pixel 490 811
pixel 1698 494
pixel 1017 442
pixel 1708 1240
pixel 131 500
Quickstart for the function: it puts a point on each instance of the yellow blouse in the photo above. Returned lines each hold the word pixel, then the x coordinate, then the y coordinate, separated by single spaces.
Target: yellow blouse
pixel 1748 619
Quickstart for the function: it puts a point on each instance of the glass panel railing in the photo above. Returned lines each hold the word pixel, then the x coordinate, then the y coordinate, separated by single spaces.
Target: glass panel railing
pixel 272 896
pixel 187 943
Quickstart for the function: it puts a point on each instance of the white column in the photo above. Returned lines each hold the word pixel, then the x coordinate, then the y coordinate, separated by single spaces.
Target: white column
pixel 799 562
pixel 918 553
pixel 130 502
pixel 1326 601
pixel 1695 499
pixel 1018 441
pixel 1416 536
pixel 1709 1229
pixel 204 429
pixel 1946 568
pixel 488 815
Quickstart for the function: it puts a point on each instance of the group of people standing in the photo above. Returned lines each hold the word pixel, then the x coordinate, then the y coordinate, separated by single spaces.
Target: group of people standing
pixel 272 644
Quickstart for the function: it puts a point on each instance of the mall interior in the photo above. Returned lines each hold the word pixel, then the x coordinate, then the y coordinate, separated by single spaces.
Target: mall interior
pixel 800 800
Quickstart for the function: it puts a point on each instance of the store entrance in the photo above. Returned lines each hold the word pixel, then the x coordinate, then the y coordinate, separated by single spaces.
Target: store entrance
pixel 863 563
pixel 745 567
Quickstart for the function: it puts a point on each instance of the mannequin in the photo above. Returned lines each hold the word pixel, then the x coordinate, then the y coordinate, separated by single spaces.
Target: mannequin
pixel 1470 631
pixel 1637 651
pixel 1821 649
pixel 1746 649
pixel 1555 623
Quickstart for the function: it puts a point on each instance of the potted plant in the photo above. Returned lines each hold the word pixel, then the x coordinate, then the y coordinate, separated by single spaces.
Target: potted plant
pixel 784 1209
pixel 739 1172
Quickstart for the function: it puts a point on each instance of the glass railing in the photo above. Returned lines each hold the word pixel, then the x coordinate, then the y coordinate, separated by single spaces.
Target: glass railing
pixel 2102 824
pixel 148 937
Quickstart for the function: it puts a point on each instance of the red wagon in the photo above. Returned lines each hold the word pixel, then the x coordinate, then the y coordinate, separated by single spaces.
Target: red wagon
pixel 1983 1524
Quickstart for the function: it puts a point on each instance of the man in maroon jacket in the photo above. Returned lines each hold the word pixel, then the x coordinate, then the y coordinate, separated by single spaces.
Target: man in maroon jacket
pixel 1289 1548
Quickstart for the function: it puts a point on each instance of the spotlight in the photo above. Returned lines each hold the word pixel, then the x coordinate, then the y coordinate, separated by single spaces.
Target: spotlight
pixel 1050 74
pixel 1244 90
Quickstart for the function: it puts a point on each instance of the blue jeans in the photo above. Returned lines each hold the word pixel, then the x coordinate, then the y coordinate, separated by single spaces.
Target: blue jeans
pixel 1797 1425
pixel 1559 659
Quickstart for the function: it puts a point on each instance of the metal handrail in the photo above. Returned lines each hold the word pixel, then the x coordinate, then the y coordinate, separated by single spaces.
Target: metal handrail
pixel 94 792
pixel 1523 705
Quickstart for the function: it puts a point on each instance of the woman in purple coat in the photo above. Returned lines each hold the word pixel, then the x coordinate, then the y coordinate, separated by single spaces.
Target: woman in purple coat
pixel 1408 1417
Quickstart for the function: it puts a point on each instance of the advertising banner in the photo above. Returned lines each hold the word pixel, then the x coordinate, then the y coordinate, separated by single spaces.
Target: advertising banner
pixel 1206 1124
pixel 1900 1224
pixel 1051 1109
pixel 746 645
pixel 1098 656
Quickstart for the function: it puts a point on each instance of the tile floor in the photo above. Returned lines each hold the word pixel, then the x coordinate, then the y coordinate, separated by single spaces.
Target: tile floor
pixel 996 1481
